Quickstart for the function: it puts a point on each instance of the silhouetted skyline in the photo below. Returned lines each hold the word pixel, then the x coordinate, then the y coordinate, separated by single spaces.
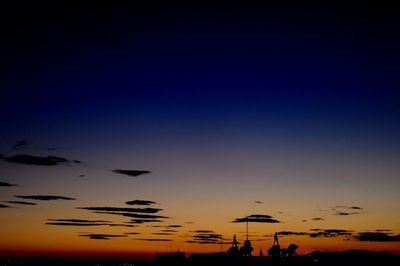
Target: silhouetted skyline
pixel 131 128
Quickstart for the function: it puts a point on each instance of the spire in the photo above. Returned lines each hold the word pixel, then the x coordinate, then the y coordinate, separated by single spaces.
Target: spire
pixel 247 228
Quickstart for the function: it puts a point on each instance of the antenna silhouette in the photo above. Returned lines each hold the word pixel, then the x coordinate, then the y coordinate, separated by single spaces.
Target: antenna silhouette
pixel 247 228
pixel 246 249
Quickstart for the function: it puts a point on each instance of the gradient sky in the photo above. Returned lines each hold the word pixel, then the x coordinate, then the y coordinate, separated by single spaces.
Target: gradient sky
pixel 296 107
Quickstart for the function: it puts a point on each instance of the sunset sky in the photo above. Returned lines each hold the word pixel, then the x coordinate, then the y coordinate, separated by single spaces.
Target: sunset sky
pixel 287 115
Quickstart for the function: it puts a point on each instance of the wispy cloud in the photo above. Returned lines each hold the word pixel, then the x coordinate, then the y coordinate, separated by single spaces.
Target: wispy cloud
pixel 348 207
pixel 135 215
pixel 20 145
pixel 316 232
pixel 139 215
pixel 203 231
pixel 4 206
pixel 37 160
pixel 330 232
pixel 206 237
pixel 173 226
pixel 26 144
pixel 5 184
pixel 317 219
pixel 131 172
pixel 256 218
pixel 118 209
pixel 343 210
pixel 141 202
pixel 44 197
pixel 81 222
pixel 101 236
pixel 340 213
pixel 378 237
pixel 74 224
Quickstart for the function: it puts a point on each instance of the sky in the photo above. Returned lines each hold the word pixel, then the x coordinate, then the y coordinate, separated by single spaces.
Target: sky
pixel 193 117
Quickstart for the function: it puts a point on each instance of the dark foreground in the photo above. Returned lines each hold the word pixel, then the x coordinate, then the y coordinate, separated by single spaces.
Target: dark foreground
pixel 351 257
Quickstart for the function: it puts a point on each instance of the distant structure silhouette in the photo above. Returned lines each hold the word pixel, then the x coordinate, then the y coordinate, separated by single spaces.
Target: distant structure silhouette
pixel 234 249
pixel 276 251
pixel 246 249
pixel 290 251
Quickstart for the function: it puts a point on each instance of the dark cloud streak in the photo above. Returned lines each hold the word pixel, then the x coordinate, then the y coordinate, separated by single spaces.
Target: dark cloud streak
pixel 141 202
pixel 256 218
pixel 75 224
pixel 79 221
pixel 135 215
pixel 44 197
pixel 36 160
pixel 101 236
pixel 117 209
pixel 378 237
pixel 317 219
pixel 5 184
pixel 290 233
pixel 330 232
pixel 131 172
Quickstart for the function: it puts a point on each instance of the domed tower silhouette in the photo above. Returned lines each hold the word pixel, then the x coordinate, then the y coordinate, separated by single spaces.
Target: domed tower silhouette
pixel 234 250
pixel 246 249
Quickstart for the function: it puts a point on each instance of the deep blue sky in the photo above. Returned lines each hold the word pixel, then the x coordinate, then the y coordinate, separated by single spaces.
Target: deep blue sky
pixel 300 69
